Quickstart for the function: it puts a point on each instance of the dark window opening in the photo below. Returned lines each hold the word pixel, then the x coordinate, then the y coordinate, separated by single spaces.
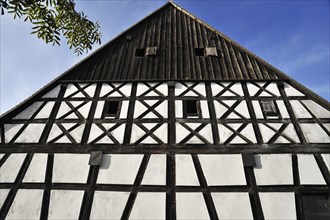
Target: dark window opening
pixel 111 109
pixel 269 109
pixel 316 206
pixel 191 108
pixel 199 51
pixel 140 52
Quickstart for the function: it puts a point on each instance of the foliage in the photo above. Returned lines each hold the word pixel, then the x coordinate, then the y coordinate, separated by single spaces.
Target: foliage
pixel 53 18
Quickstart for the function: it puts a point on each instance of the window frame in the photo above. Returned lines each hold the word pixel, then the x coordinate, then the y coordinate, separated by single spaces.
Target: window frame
pixel 106 108
pixel 187 114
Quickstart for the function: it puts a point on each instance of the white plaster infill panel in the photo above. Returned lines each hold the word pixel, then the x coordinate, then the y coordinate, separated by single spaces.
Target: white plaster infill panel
pixel 273 169
pixel 45 111
pixel 53 93
pixel 247 133
pixel 191 206
pixel 155 173
pixel 3 195
pixel 309 171
pixel 140 108
pixel 276 206
pixel 143 88
pixel 31 134
pixel 205 109
pixel 268 130
pixel 326 158
pixel 232 206
pixel 149 206
pixel 65 204
pixel 315 133
pixel 223 169
pixel 291 91
pixel 185 170
pixel 11 130
pixel 26 205
pixel 71 168
pixel 71 89
pixel 299 110
pixel 234 91
pixel 37 169
pixel 119 168
pixel 316 109
pixel 29 111
pixel 160 133
pixel 109 90
pixel 282 108
pixel 240 112
pixel 108 205
pixel 257 109
pixel 183 132
pixel 117 133
pixel 198 90
pixel 9 170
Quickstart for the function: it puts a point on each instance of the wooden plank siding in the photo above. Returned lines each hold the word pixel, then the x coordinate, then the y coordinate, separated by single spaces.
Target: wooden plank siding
pixel 176 34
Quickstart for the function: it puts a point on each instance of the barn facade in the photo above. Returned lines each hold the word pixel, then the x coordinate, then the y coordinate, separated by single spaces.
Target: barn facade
pixel 169 120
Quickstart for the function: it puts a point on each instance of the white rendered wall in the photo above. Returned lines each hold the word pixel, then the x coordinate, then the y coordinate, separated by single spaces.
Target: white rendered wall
pixel 26 205
pixel 274 169
pixel 65 204
pixel 119 169
pixel 10 169
pixel 191 206
pixel 278 206
pixel 37 169
pixel 223 169
pixel 108 205
pixel 232 206
pixel 71 168
pixel 149 205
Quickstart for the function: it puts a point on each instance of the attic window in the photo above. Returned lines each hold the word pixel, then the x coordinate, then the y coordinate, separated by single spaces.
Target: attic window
pixel 269 109
pixel 151 51
pixel 111 109
pixel 140 52
pixel 199 51
pixel 191 108
pixel 207 51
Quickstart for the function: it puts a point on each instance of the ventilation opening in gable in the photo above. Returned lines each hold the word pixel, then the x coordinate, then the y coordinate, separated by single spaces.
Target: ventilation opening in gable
pixel 140 52
pixel 207 51
pixel 111 109
pixel 191 108
pixel 199 51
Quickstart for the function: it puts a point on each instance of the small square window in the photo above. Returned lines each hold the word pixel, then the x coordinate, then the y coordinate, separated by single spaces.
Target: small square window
pixel 151 51
pixel 199 51
pixel 111 109
pixel 191 108
pixel 140 52
pixel 269 109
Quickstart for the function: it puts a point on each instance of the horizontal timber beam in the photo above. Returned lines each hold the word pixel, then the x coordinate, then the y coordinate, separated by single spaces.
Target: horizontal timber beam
pixel 166 149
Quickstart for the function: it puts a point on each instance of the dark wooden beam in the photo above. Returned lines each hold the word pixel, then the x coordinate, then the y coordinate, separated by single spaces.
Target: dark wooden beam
pixel 167 149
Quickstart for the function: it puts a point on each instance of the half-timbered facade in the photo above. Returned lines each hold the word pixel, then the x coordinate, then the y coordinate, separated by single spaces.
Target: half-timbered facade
pixel 169 120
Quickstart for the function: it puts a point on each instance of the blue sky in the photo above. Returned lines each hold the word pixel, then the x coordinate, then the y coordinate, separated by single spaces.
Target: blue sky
pixel 292 35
